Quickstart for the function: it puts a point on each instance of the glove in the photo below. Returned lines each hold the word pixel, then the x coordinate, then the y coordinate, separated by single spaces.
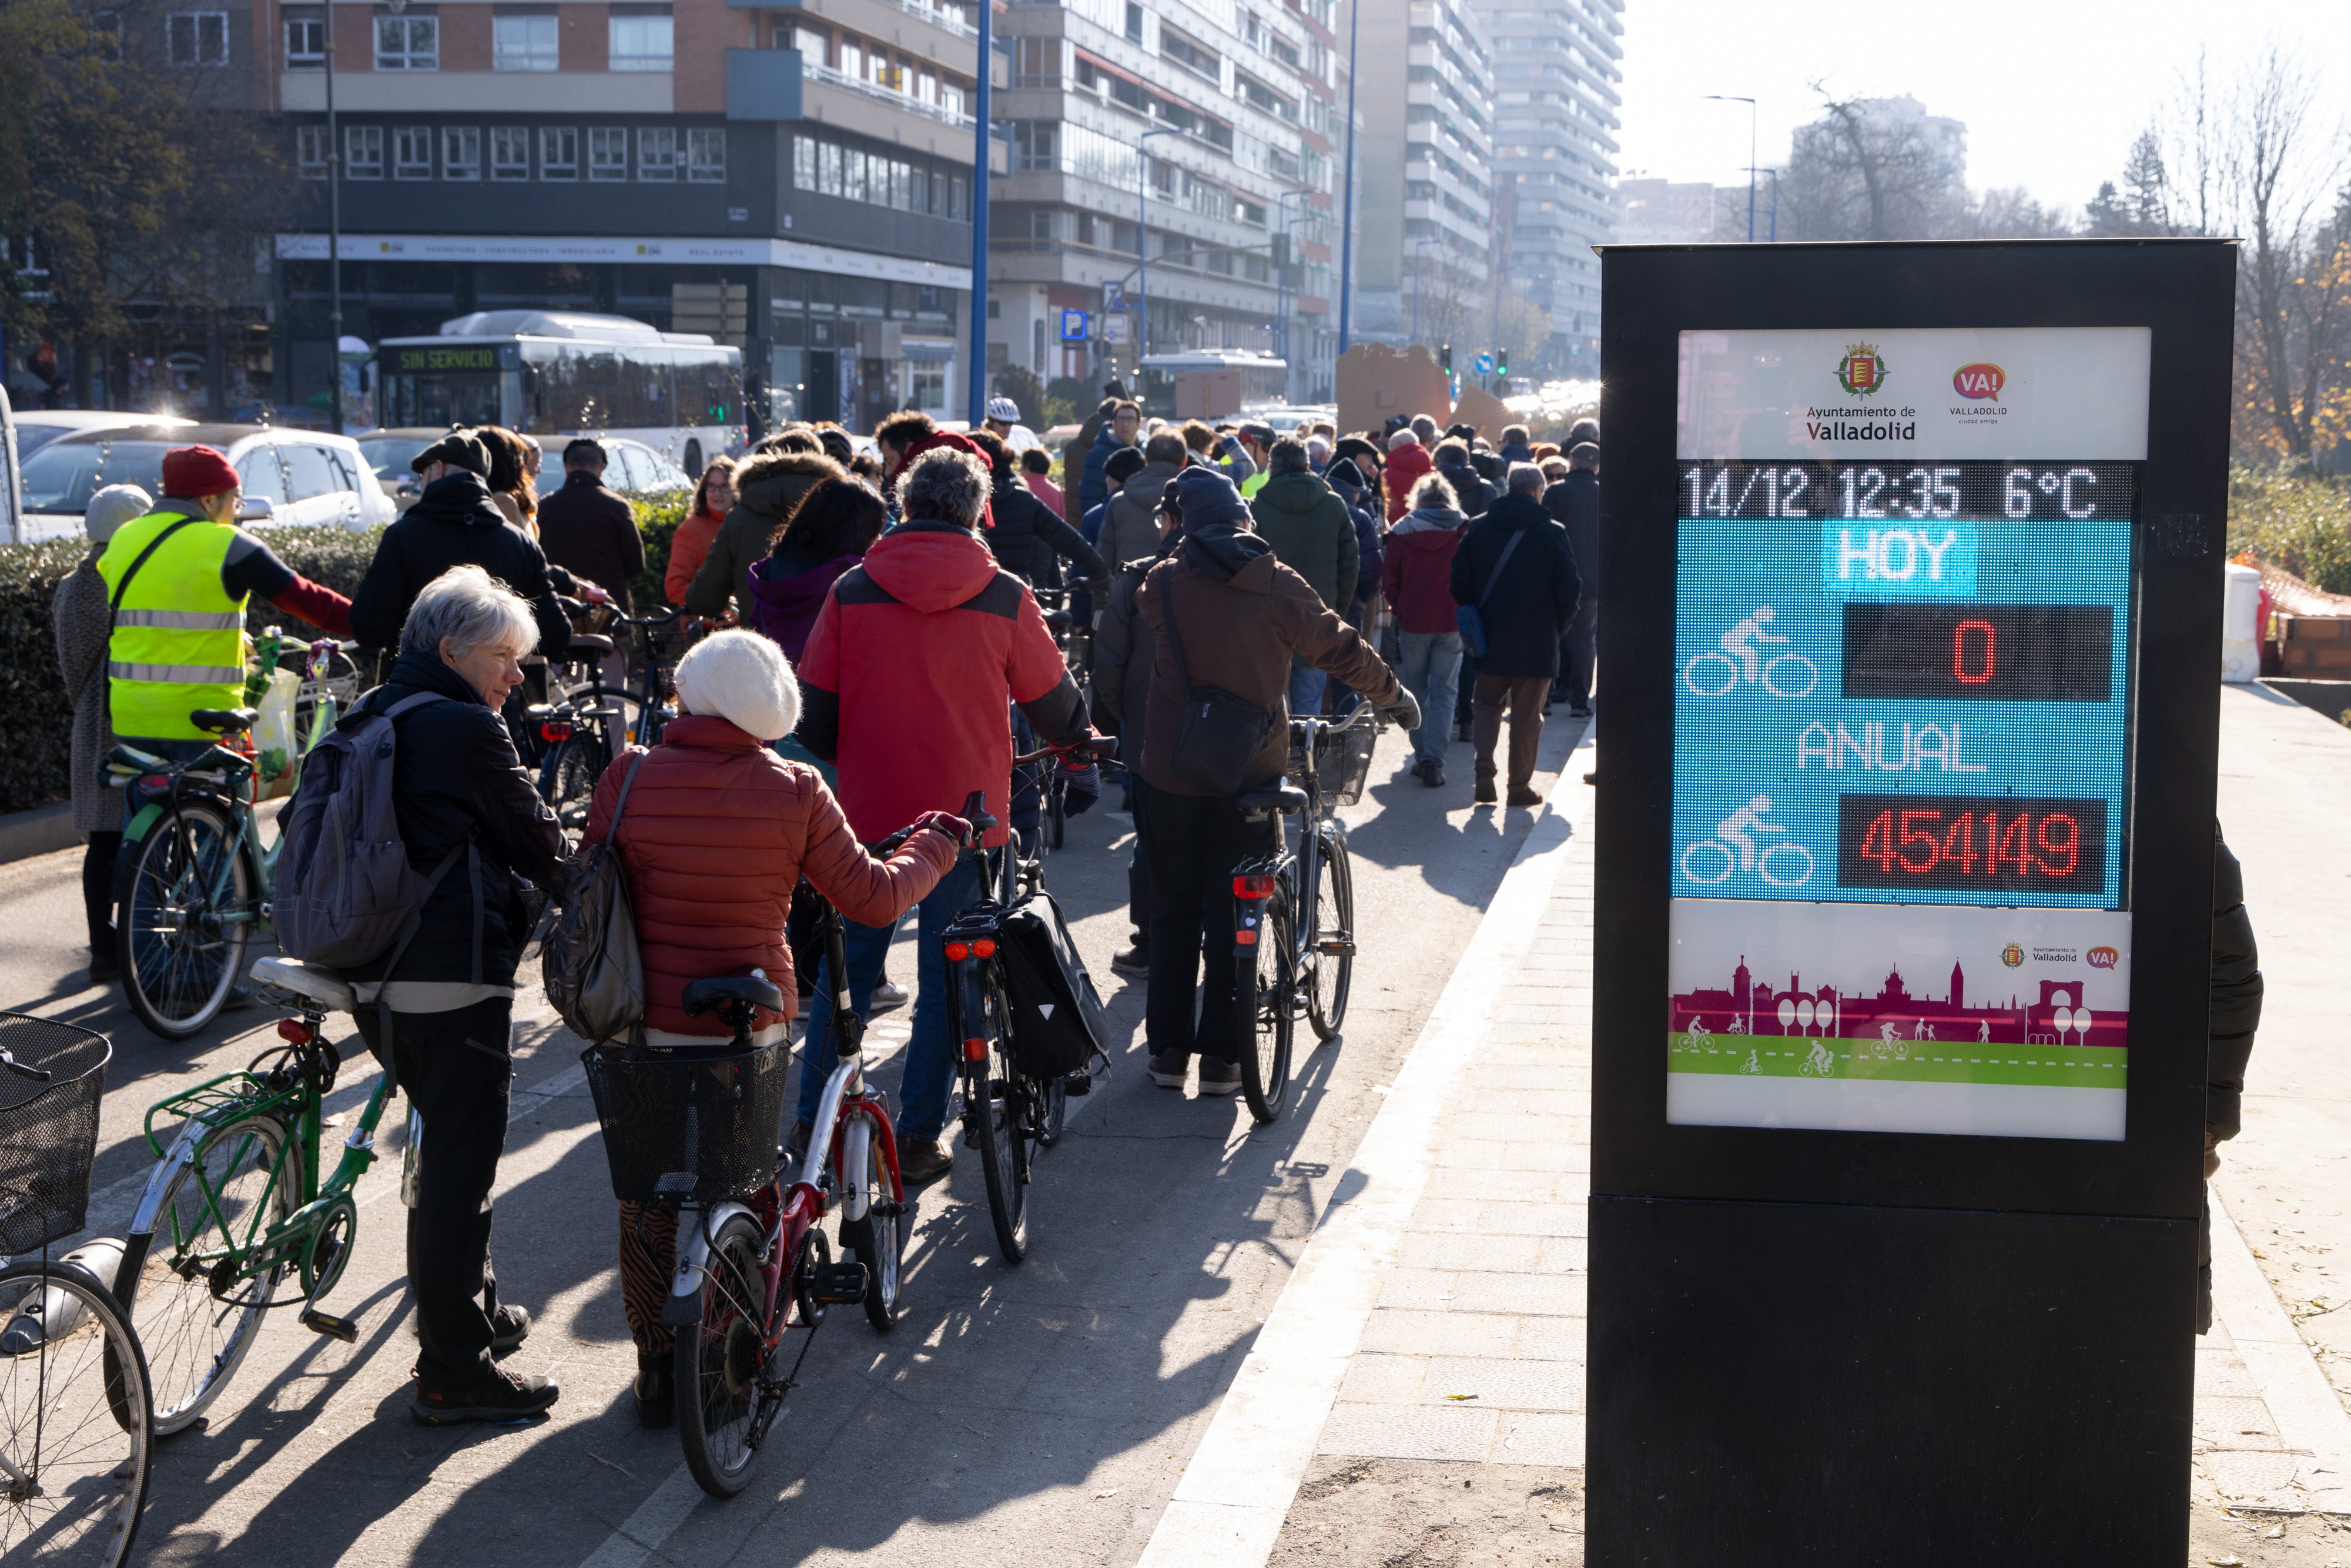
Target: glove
pixel 1082 787
pixel 956 829
pixel 1404 711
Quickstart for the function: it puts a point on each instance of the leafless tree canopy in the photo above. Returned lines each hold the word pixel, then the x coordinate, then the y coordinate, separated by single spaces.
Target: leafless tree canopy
pixel 1861 172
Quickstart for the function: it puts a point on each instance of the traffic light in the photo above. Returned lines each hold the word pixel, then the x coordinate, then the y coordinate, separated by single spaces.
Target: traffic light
pixel 1444 357
pixel 1502 360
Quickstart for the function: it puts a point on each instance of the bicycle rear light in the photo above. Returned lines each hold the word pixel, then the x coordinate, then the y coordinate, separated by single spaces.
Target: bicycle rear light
pixel 1245 938
pixel 154 781
pixel 1252 887
pixel 293 1029
pixel 554 731
pixel 959 951
pixel 975 1050
pixel 983 949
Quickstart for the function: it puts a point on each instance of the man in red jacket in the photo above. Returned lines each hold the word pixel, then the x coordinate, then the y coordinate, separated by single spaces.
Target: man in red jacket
pixel 908 681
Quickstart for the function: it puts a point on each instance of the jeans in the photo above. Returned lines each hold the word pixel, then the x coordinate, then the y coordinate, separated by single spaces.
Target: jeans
pixel 1306 692
pixel 930 1055
pixel 457 1072
pixel 1429 663
pixel 1196 841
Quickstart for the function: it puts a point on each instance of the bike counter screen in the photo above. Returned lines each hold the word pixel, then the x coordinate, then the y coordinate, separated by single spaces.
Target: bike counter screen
pixel 1902 725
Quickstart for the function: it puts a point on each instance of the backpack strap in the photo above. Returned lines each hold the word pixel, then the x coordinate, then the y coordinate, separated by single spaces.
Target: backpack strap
pixel 1499 562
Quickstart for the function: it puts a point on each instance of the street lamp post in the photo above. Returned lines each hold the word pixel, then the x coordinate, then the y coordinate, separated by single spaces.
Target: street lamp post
pixel 982 80
pixel 1727 97
pixel 334 238
pixel 1281 276
pixel 1143 246
pixel 1347 221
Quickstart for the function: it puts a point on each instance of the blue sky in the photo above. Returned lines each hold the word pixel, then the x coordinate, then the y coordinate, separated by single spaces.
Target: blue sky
pixel 2051 90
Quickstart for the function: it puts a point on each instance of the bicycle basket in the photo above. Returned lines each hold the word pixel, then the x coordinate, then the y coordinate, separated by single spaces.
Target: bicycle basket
pixel 48 1131
pixel 713 1115
pixel 1342 762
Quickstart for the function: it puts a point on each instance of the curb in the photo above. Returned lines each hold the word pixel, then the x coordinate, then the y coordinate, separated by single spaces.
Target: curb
pixel 39 832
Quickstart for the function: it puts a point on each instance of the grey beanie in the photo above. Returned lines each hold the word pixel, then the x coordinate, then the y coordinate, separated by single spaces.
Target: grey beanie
pixel 113 506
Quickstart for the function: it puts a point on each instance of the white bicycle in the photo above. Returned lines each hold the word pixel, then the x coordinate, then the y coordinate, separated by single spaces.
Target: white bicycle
pixel 1719 865
pixel 1771 678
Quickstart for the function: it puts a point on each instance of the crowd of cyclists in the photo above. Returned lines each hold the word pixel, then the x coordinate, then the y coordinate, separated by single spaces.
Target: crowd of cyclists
pixel 872 638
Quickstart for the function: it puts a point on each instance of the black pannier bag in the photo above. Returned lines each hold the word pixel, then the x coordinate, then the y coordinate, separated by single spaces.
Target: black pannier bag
pixel 1058 1025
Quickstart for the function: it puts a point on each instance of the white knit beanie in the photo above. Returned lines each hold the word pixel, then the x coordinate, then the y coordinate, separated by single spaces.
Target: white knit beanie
pixel 743 678
pixel 1402 439
pixel 111 507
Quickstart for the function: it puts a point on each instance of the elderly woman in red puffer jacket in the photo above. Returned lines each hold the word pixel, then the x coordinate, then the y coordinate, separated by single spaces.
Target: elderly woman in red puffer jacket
pixel 717 833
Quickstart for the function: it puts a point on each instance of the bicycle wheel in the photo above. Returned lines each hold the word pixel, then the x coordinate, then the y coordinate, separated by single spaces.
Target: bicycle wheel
pixel 1328 972
pixel 1003 1147
pixel 182 919
pixel 1266 1021
pixel 208 1214
pixel 74 1422
pixel 721 1357
pixel 879 1241
pixel 568 779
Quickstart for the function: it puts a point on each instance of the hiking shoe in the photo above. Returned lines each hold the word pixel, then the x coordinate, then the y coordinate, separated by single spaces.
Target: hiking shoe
pixel 1134 960
pixel 509 1326
pixel 923 1160
pixel 1432 773
pixel 501 1396
pixel 1420 769
pixel 1486 794
pixel 1523 797
pixel 656 1390
pixel 887 998
pixel 1578 710
pixel 1170 1068
pixel 1219 1077
pixel 796 1146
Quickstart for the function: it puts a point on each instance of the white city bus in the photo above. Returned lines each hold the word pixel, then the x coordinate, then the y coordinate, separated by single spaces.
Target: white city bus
pixel 553 373
pixel 1263 379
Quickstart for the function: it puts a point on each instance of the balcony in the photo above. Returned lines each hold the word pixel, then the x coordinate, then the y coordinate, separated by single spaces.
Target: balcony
pixel 469 92
pixel 763 84
pixel 903 102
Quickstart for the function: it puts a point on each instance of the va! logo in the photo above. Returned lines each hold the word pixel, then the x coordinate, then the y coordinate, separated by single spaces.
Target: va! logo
pixel 1862 371
pixel 2104 957
pixel 1980 382
pixel 2012 955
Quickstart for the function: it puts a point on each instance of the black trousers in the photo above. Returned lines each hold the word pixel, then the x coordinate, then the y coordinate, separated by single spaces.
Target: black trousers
pixel 1576 646
pixel 1138 866
pixel 456 1070
pixel 98 890
pixel 1195 842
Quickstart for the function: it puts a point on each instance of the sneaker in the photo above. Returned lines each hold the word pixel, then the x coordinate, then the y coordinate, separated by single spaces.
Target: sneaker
pixel 1578 710
pixel 796 1146
pixel 1432 773
pixel 1170 1068
pixel 656 1390
pixel 923 1160
pixel 1219 1077
pixel 509 1326
pixel 1522 796
pixel 1419 769
pixel 1486 795
pixel 887 996
pixel 103 969
pixel 1134 960
pixel 500 1396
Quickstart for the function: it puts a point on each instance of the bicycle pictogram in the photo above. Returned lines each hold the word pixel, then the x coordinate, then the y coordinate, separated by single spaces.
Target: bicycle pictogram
pixel 1742 662
pixel 1733 848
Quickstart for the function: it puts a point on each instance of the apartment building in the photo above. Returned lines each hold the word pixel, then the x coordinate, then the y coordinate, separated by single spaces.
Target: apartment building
pixel 1557 70
pixel 1211 128
pixel 794 180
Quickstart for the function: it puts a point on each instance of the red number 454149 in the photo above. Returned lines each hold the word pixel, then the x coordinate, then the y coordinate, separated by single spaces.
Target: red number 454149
pixel 1928 842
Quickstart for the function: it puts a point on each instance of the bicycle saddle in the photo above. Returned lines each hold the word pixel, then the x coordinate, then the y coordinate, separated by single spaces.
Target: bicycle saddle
pixel 701 995
pixel 324 986
pixel 223 720
pixel 1285 799
pixel 590 645
pixel 1059 620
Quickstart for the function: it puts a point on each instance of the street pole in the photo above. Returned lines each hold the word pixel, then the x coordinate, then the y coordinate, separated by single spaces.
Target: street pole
pixel 1347 238
pixel 334 239
pixel 985 77
pixel 1281 307
pixel 1728 97
pixel 1143 250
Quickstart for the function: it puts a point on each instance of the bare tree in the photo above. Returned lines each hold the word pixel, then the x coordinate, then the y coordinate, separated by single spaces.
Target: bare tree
pixel 2010 214
pixel 1871 169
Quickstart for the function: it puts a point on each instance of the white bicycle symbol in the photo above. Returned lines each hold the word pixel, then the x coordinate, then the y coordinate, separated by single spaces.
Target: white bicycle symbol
pixel 1779 682
pixel 1721 862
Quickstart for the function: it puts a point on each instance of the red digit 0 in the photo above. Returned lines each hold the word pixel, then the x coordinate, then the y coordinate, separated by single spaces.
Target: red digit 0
pixel 1959 653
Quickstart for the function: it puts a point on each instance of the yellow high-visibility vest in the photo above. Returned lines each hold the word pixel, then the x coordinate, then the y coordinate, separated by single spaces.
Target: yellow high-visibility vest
pixel 179 641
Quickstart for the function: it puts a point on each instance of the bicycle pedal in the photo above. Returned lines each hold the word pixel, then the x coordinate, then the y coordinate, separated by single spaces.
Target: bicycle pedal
pixel 333 1327
pixel 838 1283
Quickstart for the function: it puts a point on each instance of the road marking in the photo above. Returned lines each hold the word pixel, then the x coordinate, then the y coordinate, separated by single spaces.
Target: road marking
pixel 653 1522
pixel 1230 1502
pixel 2309 1419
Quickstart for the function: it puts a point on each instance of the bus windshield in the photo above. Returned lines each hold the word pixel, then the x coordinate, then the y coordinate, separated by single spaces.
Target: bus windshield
pixel 612 386
pixel 430 399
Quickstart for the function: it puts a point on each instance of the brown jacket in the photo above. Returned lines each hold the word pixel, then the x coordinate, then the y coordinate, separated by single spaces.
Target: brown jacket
pixel 767 487
pixel 1238 636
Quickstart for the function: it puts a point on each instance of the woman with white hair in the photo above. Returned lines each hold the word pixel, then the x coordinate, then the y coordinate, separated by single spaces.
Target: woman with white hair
pixel 458 785
pixel 718 831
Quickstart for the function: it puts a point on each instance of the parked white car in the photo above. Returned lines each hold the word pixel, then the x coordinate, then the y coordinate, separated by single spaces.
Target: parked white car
pixel 292 478
pixel 629 465
pixel 36 428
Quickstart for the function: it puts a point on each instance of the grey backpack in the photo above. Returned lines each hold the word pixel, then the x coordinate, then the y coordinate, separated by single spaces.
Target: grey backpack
pixel 345 892
pixel 594 974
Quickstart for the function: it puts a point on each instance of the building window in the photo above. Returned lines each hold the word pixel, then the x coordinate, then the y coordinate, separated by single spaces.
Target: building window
pixel 608 153
pixel 852 57
pixel 461 153
pixel 657 153
pixel 311 147
pixel 363 151
pixel 814 47
pixel 509 152
pixel 705 156
pixel 1134 22
pixel 196 38
pixel 408 43
pixel 523 41
pixel 305 43
pixel 1192 56
pixel 641 38
pixel 411 153
pixel 559 152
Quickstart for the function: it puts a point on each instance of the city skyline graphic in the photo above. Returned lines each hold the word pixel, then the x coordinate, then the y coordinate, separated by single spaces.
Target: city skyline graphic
pixel 1749 1006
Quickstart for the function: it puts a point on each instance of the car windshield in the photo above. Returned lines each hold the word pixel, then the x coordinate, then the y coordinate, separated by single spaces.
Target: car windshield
pixel 63 475
pixel 390 455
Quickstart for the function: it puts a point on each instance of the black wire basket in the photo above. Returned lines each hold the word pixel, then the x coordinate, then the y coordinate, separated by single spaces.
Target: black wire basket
pixel 690 1125
pixel 1342 761
pixel 52 1077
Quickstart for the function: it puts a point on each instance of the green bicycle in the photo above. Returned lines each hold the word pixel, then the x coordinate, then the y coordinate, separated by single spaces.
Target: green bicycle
pixel 236 1205
pixel 192 887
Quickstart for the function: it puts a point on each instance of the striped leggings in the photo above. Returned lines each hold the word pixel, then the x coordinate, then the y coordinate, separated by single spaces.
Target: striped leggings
pixel 648 1255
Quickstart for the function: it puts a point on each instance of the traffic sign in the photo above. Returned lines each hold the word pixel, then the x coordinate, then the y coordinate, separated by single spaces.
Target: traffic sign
pixel 1114 297
pixel 1074 326
pixel 1485 364
pixel 1116 329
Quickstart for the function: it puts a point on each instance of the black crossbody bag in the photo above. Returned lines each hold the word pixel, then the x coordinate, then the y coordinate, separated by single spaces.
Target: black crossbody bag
pixel 1218 734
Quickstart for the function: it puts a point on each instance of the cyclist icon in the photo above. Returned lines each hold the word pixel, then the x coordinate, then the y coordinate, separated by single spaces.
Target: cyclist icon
pixel 1713 859
pixel 1734 829
pixel 1741 661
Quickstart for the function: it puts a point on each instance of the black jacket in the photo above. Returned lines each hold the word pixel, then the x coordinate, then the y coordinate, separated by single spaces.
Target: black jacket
pixel 452 523
pixel 1029 540
pixel 592 532
pixel 1534 599
pixel 455 777
pixel 2236 995
pixel 1477 494
pixel 1575 505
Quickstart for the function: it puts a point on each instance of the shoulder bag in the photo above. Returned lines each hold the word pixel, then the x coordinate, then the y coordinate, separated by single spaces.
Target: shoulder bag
pixel 1468 617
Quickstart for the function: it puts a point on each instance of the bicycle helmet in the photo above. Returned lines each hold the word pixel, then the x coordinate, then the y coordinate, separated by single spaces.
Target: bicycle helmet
pixel 1004 409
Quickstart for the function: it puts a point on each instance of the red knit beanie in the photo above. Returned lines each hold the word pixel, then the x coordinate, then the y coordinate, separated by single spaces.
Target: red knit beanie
pixel 193 471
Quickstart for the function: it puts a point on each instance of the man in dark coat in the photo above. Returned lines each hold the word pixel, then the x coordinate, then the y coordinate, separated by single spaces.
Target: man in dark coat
pixel 454 523
pixel 1574 504
pixel 1125 420
pixel 1471 488
pixel 1515 565
pixel 589 531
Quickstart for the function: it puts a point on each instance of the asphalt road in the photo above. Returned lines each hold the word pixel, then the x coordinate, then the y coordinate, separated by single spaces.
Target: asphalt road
pixel 1031 1415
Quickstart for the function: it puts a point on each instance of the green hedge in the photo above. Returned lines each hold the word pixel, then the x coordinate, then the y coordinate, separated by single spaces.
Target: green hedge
pixel 2298 521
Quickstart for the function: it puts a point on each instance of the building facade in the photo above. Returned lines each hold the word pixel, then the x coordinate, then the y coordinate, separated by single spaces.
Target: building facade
pixel 1557 69
pixel 1424 228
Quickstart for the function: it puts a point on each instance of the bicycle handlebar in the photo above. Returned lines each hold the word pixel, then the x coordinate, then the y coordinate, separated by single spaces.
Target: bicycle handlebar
pixel 1100 748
